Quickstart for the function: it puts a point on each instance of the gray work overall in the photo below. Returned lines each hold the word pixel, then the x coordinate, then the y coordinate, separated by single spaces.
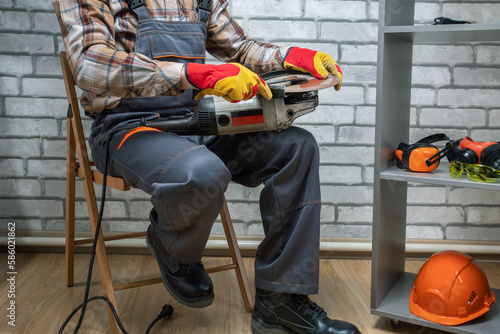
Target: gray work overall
pixel 187 176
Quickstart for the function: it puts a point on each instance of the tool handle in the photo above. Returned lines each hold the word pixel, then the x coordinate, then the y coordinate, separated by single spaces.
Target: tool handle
pixel 170 124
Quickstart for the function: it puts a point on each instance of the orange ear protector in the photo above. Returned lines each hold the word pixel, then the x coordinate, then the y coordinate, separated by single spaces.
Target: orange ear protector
pixel 422 156
pixel 468 151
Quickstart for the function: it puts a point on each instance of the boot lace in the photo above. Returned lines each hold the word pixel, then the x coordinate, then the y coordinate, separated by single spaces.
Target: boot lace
pixel 308 306
pixel 187 268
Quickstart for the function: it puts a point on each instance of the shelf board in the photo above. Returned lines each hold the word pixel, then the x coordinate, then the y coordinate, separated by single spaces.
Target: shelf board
pixel 439 176
pixel 396 306
pixel 451 33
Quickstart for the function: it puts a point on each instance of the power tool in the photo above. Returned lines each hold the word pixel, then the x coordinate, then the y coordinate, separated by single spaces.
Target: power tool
pixel 294 94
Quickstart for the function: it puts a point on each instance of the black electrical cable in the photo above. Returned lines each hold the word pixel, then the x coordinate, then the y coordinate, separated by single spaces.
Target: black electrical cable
pixel 167 310
pixel 89 300
pixel 86 299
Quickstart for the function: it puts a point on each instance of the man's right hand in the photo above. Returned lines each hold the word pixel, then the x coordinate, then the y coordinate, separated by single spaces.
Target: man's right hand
pixel 232 81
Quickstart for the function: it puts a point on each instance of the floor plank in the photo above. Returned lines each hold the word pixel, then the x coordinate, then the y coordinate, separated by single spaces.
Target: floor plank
pixel 43 301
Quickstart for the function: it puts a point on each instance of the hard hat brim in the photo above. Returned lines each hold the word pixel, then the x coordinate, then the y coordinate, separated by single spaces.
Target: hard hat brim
pixel 447 320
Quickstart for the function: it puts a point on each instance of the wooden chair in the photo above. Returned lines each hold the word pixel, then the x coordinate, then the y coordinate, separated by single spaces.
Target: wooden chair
pixel 83 169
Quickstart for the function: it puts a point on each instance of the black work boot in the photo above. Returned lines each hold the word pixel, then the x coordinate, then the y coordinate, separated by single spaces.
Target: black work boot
pixel 187 283
pixel 276 313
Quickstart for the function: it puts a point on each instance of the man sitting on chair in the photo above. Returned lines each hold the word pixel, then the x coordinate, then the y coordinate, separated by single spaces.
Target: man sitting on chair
pixel 143 60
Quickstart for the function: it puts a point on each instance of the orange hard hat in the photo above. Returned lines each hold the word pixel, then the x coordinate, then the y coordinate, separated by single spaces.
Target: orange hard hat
pixel 450 289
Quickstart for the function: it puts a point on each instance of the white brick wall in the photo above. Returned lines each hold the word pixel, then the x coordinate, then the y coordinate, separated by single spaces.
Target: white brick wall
pixel 456 91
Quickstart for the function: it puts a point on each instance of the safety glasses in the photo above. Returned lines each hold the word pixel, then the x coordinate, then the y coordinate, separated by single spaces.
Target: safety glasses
pixel 475 172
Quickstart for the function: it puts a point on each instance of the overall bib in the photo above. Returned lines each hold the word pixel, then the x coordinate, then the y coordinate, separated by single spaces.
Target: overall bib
pixel 187 176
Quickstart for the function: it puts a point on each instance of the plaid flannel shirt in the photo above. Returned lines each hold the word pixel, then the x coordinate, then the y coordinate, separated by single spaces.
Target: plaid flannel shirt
pixel 99 37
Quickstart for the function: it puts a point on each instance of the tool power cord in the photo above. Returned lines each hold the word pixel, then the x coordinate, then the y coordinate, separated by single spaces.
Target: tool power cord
pixel 166 311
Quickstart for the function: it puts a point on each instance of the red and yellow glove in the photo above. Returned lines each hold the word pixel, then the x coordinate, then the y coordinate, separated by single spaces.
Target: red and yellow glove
pixel 232 81
pixel 317 63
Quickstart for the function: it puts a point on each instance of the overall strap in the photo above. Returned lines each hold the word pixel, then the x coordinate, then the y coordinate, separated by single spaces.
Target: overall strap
pixel 204 9
pixel 139 7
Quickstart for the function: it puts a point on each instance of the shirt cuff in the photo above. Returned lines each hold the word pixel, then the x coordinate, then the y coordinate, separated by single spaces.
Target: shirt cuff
pixel 185 83
pixel 168 79
pixel 283 52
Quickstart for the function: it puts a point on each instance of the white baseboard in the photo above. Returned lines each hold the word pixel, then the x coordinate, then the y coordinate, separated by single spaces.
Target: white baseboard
pixel 352 246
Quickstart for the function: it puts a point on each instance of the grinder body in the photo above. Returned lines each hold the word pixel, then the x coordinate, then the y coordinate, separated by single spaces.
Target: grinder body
pixel 216 116
pixel 294 94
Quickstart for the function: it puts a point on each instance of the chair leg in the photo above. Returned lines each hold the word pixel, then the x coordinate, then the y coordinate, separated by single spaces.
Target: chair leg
pixel 70 206
pixel 101 255
pixel 234 249
pixel 70 239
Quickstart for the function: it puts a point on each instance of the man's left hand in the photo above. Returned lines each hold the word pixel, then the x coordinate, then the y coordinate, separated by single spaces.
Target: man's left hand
pixel 317 63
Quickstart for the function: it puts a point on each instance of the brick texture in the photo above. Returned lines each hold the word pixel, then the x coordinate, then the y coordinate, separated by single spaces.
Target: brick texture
pixel 456 91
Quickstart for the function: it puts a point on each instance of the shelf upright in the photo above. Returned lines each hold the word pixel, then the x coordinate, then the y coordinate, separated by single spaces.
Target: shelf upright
pixel 392 126
pixel 391 285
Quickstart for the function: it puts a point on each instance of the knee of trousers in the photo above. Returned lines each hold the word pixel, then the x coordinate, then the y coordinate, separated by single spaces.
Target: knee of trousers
pixel 300 142
pixel 196 198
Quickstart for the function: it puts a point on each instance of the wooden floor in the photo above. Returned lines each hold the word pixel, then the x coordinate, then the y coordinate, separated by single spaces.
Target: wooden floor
pixel 43 301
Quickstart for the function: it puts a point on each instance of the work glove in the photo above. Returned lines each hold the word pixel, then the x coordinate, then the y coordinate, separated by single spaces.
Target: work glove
pixel 232 81
pixel 317 63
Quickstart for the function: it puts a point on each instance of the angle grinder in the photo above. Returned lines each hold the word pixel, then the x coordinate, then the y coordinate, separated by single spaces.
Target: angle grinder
pixel 294 94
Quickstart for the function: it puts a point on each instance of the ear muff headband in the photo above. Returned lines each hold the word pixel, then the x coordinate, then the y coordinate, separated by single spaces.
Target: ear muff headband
pixel 454 150
pixel 434 138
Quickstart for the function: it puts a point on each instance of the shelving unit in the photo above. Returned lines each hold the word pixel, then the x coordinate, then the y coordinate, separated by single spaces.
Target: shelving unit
pixel 391 285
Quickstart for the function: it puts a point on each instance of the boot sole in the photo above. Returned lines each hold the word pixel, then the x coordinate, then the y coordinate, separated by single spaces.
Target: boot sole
pixel 258 326
pixel 191 302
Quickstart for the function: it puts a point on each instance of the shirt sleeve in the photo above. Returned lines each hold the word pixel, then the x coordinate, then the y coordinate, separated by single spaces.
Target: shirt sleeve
pixel 228 42
pixel 98 66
